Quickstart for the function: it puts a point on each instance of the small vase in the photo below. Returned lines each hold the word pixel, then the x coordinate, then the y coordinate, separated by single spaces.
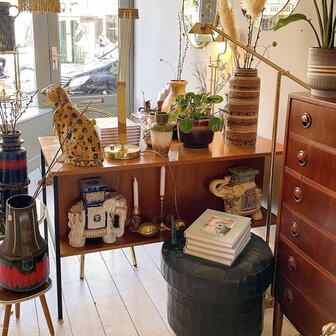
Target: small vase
pixel 176 88
pixel 161 134
pixel 243 107
pixel 321 75
pixel 13 168
pixel 146 129
pixel 24 262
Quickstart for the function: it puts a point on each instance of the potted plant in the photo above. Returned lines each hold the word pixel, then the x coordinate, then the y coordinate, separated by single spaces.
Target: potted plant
pixel 195 118
pixel 321 74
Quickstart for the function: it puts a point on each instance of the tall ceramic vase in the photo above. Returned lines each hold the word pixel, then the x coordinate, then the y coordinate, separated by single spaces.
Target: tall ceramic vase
pixel 24 262
pixel 176 87
pixel 13 170
pixel 243 106
pixel 321 75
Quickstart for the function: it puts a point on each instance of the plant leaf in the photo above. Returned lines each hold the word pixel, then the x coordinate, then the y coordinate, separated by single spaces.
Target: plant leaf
pixel 186 125
pixel 215 124
pixel 289 19
pixel 172 117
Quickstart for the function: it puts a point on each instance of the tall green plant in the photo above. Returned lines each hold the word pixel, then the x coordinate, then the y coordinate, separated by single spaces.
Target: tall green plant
pixel 326 21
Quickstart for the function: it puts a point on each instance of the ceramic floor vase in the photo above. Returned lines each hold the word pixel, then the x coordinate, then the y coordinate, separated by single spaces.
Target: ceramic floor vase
pixel 243 106
pixel 321 74
pixel 13 169
pixel 200 136
pixel 176 88
pixel 24 262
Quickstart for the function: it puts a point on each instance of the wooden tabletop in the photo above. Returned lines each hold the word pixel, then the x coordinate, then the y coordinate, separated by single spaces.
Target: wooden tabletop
pixel 218 151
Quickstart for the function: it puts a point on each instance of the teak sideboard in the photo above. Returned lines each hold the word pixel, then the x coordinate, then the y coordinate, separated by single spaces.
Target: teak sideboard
pixel 193 171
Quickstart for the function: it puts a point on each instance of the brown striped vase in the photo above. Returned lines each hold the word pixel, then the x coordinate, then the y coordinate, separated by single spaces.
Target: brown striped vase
pixel 243 107
pixel 321 74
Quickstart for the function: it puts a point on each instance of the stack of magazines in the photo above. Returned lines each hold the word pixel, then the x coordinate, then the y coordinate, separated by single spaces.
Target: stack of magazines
pixel 107 129
pixel 218 236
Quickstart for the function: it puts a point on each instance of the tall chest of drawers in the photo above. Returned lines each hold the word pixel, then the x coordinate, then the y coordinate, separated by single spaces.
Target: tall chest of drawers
pixel 305 276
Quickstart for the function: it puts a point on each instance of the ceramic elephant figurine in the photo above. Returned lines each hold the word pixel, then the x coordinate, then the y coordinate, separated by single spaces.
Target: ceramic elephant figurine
pixel 329 329
pixel 239 199
pixel 97 221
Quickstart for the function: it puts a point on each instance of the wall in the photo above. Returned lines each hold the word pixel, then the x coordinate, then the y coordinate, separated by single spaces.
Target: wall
pixel 156 36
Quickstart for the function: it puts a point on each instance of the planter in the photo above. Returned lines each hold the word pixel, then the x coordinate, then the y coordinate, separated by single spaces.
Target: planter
pixel 200 136
pixel 243 106
pixel 321 75
pixel 176 87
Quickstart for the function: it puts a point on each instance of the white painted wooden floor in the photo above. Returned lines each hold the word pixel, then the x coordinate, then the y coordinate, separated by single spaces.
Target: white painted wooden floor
pixel 114 298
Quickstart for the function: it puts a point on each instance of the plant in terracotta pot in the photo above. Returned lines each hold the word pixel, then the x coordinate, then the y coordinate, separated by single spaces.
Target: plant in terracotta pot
pixel 321 73
pixel 195 119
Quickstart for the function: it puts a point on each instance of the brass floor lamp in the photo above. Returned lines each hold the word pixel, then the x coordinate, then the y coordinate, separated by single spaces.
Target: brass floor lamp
pixel 207 28
pixel 122 150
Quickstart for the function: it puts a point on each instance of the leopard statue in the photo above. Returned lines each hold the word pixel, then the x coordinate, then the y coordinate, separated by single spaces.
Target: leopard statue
pixel 76 133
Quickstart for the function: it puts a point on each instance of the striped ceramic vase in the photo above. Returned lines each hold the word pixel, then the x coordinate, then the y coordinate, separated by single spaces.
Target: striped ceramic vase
pixel 13 170
pixel 321 75
pixel 243 106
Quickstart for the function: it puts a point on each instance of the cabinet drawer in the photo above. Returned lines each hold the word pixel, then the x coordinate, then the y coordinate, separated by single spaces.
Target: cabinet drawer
pixel 311 162
pixel 312 203
pixel 313 122
pixel 306 317
pixel 313 284
pixel 317 245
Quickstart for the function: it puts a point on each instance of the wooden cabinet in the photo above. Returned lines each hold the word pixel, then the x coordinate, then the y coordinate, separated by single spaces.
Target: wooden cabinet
pixel 305 278
pixel 193 170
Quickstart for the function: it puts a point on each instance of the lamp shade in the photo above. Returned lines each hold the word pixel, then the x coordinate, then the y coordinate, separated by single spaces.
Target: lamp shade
pixel 39 6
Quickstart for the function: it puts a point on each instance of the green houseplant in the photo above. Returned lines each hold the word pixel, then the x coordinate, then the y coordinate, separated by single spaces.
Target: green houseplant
pixel 321 74
pixel 195 118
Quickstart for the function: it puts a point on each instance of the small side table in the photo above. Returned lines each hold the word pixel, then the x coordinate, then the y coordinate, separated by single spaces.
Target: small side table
pixel 8 298
pixel 206 298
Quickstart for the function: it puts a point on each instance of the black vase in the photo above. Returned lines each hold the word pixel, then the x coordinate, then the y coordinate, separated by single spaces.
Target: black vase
pixel 13 171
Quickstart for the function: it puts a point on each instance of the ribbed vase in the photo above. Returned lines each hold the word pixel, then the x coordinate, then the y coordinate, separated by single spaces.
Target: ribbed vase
pixel 243 106
pixel 321 74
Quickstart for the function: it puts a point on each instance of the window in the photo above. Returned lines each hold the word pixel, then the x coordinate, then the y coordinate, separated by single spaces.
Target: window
pixel 78 47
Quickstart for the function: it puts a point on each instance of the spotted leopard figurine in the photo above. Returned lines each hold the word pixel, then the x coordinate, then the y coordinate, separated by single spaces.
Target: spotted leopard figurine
pixel 75 131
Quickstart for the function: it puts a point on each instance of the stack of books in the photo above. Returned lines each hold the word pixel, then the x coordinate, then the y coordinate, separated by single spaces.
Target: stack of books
pixel 107 129
pixel 218 236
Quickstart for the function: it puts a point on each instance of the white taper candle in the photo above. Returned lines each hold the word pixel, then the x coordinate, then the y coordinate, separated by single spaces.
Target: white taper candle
pixel 162 181
pixel 135 192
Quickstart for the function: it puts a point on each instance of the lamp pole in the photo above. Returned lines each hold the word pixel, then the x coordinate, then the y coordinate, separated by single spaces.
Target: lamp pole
pixel 281 72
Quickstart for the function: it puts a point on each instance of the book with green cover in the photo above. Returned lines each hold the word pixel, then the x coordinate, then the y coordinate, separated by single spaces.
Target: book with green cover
pixel 217 227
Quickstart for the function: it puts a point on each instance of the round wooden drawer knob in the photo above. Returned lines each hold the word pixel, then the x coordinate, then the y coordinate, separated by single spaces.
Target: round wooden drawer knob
pixel 306 120
pixel 294 229
pixel 302 158
pixel 288 295
pixel 291 263
pixel 297 194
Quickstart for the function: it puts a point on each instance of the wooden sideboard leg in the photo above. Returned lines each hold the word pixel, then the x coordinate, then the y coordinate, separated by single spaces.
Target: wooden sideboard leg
pixel 81 266
pixel 277 319
pixel 134 261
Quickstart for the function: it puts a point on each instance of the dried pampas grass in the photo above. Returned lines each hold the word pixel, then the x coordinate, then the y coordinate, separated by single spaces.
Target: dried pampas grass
pixel 227 20
pixel 254 8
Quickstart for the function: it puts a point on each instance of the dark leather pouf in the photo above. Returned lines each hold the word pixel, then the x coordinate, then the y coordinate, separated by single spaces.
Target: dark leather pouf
pixel 206 298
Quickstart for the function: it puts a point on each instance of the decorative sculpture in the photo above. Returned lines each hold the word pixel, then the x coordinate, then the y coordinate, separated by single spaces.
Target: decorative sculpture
pixel 76 132
pixel 329 329
pixel 239 192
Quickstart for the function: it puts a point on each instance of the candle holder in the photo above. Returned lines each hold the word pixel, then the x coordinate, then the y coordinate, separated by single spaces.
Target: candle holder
pixel 162 224
pixel 136 220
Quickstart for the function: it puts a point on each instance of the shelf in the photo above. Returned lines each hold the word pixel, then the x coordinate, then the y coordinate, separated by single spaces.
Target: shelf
pixel 178 155
pixel 97 245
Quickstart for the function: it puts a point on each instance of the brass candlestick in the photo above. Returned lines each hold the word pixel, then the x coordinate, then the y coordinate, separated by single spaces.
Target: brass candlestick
pixel 136 219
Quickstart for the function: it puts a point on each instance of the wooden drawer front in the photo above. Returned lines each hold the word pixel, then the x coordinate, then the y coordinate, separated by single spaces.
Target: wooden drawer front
pixel 312 162
pixel 308 239
pixel 316 286
pixel 313 122
pixel 313 204
pixel 306 317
